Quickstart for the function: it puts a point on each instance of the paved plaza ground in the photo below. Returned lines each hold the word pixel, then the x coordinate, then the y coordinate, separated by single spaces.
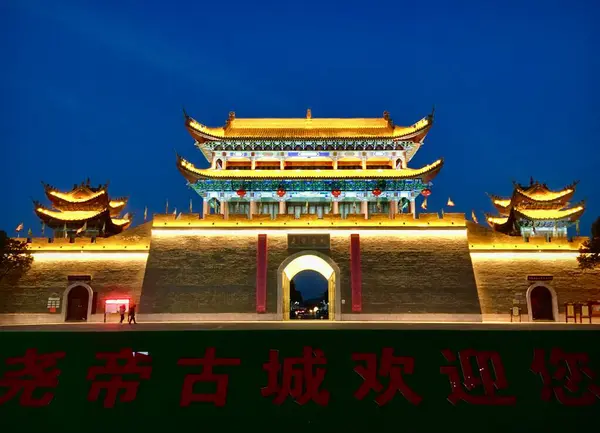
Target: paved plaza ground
pixel 297 325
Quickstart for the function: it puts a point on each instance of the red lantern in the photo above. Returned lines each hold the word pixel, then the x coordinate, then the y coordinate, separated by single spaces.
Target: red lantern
pixel 426 192
pixel 241 192
pixel 336 193
pixel 281 192
pixel 376 192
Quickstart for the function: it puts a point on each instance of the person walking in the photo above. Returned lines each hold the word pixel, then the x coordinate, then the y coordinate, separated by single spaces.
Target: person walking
pixel 132 314
pixel 122 309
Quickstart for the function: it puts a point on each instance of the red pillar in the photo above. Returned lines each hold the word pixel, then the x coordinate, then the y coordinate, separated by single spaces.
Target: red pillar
pixel 261 274
pixel 355 273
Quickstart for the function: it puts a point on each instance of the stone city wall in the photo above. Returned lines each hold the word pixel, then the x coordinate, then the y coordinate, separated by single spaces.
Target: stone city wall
pixel 502 279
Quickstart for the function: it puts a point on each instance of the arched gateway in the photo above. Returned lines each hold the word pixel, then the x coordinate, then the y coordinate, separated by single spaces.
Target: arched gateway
pixel 314 261
pixel 542 303
pixel 77 302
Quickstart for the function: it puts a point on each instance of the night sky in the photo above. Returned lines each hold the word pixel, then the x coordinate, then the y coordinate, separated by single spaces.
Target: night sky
pixel 96 89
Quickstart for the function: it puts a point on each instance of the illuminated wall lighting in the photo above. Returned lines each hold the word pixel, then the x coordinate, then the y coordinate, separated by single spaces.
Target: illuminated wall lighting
pixel 71 256
pixel 452 233
pixel 558 255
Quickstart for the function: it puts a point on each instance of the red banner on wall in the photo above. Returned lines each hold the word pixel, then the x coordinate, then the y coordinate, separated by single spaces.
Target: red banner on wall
pixel 261 274
pixel 355 273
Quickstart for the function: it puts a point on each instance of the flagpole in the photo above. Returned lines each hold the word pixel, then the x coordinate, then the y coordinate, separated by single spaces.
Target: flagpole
pixel 19 228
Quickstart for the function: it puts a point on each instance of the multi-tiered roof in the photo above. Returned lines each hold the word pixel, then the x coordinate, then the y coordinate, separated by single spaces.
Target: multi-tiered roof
pixel 535 206
pixel 83 210
pixel 309 134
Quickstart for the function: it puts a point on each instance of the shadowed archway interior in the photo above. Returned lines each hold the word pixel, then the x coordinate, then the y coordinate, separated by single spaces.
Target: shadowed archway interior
pixel 309 296
pixel 77 304
pixel 541 304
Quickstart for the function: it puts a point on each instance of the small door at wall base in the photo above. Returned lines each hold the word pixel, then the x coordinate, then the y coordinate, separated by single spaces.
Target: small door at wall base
pixel 541 304
pixel 77 304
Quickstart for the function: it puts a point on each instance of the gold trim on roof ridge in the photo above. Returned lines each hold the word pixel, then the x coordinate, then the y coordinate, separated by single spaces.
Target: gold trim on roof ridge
pixel 406 173
pixel 503 202
pixel 308 128
pixel 117 202
pixel 497 220
pixel 545 195
pixel 68 196
pixel 74 215
pixel 551 214
pixel 120 221
pixel 79 215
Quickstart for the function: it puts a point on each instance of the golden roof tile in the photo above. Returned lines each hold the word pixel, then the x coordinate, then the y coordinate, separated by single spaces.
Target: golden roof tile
pixel 68 215
pixel 121 221
pixel 496 220
pixel 504 202
pixel 552 214
pixel 310 127
pixel 540 192
pixel 77 196
pixel 407 173
pixel 117 203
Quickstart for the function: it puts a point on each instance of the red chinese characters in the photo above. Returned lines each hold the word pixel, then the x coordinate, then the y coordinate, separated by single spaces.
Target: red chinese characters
pixel 490 376
pixel 129 366
pixel 36 373
pixel 300 378
pixel 391 367
pixel 208 362
pixel 570 371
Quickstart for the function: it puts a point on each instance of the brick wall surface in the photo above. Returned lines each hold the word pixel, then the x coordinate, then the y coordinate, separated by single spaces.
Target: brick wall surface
pixel 277 248
pixel 503 283
pixel 110 279
pixel 411 274
pixel 201 274
pixel 402 274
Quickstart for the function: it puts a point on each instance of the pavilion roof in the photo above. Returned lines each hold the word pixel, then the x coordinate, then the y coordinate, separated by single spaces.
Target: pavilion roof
pixel 540 192
pixel 309 128
pixel 535 202
pixel 83 204
pixel 193 174
pixel 535 196
pixel 570 214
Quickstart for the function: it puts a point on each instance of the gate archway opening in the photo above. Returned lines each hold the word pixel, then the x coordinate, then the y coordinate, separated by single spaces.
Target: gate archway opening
pixel 308 261
pixel 542 303
pixel 77 303
pixel 309 296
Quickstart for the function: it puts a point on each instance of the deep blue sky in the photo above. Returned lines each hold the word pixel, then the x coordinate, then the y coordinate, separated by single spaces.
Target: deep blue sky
pixel 95 89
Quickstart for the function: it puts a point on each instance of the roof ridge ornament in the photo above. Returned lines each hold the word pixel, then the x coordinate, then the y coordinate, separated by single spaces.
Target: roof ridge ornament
pixel 388 118
pixel 230 119
pixel 308 114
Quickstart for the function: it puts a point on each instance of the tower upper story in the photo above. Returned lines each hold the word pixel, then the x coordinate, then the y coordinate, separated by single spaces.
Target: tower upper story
pixel 329 148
